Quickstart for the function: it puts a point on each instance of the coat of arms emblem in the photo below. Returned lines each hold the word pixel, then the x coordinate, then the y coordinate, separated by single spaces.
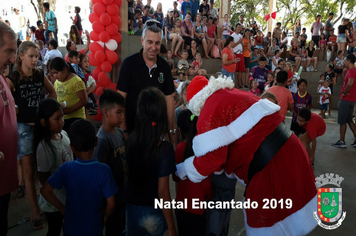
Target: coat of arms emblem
pixel 329 201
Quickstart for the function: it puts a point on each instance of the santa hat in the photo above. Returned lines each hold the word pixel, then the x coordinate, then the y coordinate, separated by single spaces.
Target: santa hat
pixel 200 88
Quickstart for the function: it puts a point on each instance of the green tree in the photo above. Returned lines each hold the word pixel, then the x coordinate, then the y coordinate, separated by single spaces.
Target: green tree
pixel 307 10
pixel 250 9
pixel 289 11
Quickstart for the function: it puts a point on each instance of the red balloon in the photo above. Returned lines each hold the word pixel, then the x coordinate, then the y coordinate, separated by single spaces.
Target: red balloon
pixel 111 56
pixel 117 37
pixel 105 19
pixel 99 91
pixel 103 78
pixel 98 27
pixel 106 66
pixel 93 17
pixel 92 60
pixel 97 1
pixel 94 36
pixel 104 37
pixel 267 16
pixel 96 72
pixel 94 47
pixel 99 9
pixel 112 9
pixel 108 2
pixel 118 2
pixel 112 29
pixel 99 56
pixel 116 20
pixel 112 86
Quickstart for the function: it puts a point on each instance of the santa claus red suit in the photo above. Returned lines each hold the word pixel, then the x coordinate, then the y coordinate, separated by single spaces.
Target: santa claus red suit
pixel 232 125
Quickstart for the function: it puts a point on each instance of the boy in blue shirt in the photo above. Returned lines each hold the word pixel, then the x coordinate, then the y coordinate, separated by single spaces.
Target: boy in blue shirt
pixel 111 151
pixel 86 181
pixel 186 7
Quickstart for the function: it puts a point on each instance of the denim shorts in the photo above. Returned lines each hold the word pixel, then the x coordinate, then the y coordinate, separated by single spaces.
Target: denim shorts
pixel 228 74
pixel 25 139
pixel 324 107
pixel 341 38
pixel 144 220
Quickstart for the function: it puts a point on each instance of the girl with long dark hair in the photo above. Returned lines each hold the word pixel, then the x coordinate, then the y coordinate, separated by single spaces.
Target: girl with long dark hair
pixel 150 160
pixel 51 145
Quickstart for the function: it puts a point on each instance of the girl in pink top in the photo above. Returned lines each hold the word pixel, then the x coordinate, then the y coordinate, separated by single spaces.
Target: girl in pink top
pixel 253 87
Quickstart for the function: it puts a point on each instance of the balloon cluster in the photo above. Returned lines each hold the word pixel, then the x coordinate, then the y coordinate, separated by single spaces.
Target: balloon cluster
pixel 106 24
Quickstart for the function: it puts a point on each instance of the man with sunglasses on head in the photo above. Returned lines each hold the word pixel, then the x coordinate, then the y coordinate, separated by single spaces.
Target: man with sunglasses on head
pixel 8 126
pixel 143 69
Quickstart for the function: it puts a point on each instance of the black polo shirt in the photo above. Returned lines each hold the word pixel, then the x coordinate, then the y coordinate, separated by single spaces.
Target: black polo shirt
pixel 135 76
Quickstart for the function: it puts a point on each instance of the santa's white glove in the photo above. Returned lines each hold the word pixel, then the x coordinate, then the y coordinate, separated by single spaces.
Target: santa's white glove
pixel 181 171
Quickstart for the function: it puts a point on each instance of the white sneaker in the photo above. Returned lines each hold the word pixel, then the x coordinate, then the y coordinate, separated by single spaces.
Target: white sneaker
pixel 311 69
pixel 308 69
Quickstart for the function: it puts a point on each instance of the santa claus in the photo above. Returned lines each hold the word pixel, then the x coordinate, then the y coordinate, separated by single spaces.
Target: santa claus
pixel 242 136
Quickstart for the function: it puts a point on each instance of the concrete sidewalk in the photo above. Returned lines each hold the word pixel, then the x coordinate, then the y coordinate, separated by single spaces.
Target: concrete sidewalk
pixel 328 160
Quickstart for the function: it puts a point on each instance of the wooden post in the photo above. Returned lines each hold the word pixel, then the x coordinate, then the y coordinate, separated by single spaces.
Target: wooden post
pixel 271 7
pixel 225 6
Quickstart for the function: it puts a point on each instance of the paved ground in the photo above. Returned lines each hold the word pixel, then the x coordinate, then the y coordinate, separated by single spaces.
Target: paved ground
pixel 328 159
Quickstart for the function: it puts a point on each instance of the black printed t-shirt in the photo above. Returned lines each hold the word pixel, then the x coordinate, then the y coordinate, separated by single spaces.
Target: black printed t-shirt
pixel 28 93
pixel 135 76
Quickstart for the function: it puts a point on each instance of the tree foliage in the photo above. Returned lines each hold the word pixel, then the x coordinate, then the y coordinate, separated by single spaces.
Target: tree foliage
pixel 308 10
pixel 289 11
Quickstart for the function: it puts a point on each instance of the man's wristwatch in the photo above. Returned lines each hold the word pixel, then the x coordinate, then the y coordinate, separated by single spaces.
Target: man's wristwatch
pixel 172 131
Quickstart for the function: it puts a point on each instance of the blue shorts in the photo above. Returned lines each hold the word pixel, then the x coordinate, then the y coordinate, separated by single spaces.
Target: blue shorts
pixel 228 74
pixel 324 107
pixel 225 36
pixel 25 139
pixel 144 220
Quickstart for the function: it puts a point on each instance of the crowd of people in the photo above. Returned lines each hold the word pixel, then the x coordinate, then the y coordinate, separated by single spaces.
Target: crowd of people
pixel 149 123
pixel 202 24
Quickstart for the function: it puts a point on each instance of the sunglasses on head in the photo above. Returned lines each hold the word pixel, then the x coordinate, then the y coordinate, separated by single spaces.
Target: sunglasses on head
pixel 153 22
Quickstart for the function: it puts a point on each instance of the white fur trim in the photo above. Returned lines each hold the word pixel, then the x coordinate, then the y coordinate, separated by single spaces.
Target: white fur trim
pixel 226 135
pixel 219 172
pixel 197 102
pixel 181 172
pixel 298 223
pixel 191 171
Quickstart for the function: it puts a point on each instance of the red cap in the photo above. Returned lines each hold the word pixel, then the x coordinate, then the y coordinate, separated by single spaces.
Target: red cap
pixel 197 84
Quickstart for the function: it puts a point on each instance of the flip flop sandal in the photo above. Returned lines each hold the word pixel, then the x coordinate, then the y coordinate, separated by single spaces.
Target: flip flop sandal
pixel 38 223
pixel 21 191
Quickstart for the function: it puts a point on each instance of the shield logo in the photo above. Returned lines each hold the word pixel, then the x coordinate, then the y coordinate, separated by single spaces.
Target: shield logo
pixel 161 78
pixel 329 204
